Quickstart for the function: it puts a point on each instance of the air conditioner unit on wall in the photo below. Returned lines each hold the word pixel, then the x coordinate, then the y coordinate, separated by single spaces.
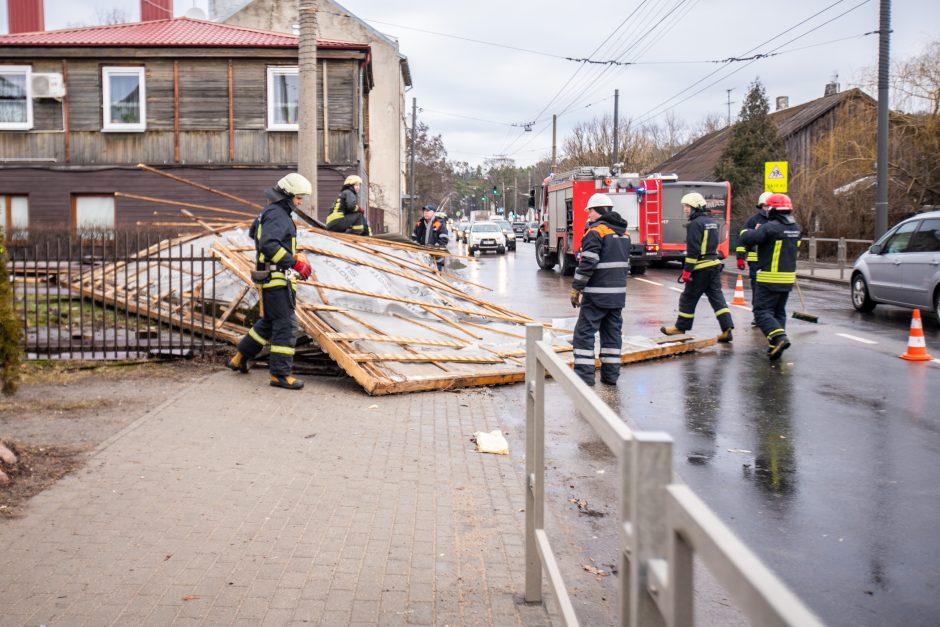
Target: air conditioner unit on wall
pixel 48 85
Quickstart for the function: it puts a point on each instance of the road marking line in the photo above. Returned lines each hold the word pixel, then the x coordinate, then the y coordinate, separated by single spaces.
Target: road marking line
pixel 742 307
pixel 646 281
pixel 857 339
pixel 676 289
pixel 936 361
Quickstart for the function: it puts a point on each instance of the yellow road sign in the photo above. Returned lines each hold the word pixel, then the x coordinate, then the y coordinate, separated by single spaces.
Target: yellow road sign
pixel 775 177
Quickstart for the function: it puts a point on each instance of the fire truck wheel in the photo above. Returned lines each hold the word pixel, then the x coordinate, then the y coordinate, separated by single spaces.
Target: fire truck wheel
pixel 566 262
pixel 543 256
pixel 637 269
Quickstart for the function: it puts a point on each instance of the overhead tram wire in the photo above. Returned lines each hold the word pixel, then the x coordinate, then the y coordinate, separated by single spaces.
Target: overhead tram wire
pixel 650 114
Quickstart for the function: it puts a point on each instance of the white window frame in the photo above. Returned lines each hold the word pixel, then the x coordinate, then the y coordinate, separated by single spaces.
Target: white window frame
pixel 273 71
pixel 27 71
pixel 109 125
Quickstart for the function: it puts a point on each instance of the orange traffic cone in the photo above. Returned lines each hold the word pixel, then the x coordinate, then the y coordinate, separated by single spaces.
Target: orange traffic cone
pixel 739 292
pixel 916 347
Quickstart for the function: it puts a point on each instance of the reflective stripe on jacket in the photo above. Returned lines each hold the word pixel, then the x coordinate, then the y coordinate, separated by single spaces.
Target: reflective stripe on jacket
pixel 275 236
pixel 701 241
pixel 347 202
pixel 777 244
pixel 743 252
pixel 605 262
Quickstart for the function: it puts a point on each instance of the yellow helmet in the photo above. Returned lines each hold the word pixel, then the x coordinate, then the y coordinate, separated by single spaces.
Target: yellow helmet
pixel 694 200
pixel 295 184
pixel 352 179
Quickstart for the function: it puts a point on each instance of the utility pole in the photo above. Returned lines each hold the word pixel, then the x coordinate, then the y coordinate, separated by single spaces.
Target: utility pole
pixel 616 156
pixel 414 130
pixel 884 42
pixel 307 151
pixel 515 195
pixel 554 135
pixel 729 105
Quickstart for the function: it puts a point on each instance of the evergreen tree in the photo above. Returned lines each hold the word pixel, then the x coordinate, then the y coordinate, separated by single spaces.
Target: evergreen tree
pixel 754 140
pixel 9 329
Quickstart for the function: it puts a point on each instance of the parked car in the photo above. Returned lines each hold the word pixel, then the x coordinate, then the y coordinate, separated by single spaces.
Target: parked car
pixel 508 232
pixel 518 228
pixel 902 268
pixel 486 236
pixel 460 231
pixel 531 232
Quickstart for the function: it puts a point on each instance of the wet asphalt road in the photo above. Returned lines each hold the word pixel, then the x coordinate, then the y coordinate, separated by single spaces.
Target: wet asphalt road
pixel 826 464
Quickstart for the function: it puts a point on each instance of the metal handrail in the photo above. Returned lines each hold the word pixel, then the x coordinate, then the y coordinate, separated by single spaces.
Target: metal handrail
pixel 661 524
pixel 841 252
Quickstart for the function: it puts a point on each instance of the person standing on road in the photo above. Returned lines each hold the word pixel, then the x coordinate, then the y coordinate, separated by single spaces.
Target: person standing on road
pixel 600 290
pixel 431 231
pixel 777 243
pixel 702 271
pixel 347 216
pixel 275 237
pixel 750 256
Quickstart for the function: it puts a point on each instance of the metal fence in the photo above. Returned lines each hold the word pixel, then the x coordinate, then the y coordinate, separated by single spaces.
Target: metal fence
pixel 119 296
pixel 662 524
pixel 842 256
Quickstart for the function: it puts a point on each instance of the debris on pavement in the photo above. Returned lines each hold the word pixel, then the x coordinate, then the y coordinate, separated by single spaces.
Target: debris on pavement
pixel 492 442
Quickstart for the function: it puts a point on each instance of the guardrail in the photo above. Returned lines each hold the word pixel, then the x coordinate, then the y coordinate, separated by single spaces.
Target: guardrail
pixel 662 524
pixel 841 252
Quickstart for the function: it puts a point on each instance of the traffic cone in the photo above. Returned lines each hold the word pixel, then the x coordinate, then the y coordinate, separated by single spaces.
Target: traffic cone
pixel 739 292
pixel 916 347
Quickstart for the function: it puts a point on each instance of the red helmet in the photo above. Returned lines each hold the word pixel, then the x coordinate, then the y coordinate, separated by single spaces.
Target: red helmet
pixel 780 203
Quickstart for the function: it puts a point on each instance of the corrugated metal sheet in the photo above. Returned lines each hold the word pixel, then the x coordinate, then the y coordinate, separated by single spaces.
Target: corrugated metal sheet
pixel 178 32
pixel 696 162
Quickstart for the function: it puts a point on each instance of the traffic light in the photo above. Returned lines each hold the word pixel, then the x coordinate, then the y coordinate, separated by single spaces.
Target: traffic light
pixel 495 193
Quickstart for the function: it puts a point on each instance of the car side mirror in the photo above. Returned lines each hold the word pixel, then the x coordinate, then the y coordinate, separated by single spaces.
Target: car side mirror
pixel 875 249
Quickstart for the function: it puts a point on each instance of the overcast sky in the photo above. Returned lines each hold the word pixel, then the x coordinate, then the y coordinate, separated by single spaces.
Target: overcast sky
pixel 478 95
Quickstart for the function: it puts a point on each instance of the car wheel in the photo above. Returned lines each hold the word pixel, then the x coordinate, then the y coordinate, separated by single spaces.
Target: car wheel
pixel 473 250
pixel 543 256
pixel 637 269
pixel 936 304
pixel 860 298
pixel 501 250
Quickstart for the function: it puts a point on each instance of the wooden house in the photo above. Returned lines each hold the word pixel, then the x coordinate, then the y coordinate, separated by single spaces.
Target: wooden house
pixel 214 103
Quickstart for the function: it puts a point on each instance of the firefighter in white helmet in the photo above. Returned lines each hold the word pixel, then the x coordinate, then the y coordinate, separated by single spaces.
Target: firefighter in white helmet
pixel 600 289
pixel 702 270
pixel 347 216
pixel 748 256
pixel 275 237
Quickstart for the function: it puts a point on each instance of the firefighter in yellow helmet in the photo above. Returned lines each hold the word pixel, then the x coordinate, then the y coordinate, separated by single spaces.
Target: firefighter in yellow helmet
pixel 347 216
pixel 275 237
pixel 701 273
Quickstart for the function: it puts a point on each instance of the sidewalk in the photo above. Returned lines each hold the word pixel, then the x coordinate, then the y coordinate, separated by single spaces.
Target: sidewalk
pixel 237 503
pixel 825 273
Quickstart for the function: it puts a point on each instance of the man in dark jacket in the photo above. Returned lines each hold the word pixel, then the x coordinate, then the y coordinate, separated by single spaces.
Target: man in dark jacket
pixel 702 271
pixel 777 243
pixel 431 231
pixel 748 257
pixel 275 237
pixel 347 216
pixel 600 289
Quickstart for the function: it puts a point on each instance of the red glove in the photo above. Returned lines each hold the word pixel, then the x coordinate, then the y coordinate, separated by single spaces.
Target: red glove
pixel 686 277
pixel 303 269
pixel 741 264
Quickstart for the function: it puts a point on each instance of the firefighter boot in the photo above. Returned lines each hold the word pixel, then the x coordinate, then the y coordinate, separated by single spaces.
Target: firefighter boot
pixel 238 363
pixel 780 344
pixel 725 336
pixel 286 381
pixel 671 330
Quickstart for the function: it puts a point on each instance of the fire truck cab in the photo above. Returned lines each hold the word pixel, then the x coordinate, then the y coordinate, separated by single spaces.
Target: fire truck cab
pixel 561 202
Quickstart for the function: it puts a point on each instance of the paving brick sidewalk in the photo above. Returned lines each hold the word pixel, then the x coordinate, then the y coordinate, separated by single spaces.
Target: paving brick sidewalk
pixel 237 503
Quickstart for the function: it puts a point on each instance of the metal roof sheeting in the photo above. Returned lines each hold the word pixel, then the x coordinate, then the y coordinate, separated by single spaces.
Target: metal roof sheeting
pixel 178 32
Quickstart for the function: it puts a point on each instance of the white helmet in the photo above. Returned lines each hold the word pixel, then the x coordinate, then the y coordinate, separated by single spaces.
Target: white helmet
pixel 762 199
pixel 295 184
pixel 694 200
pixel 601 203
pixel 352 179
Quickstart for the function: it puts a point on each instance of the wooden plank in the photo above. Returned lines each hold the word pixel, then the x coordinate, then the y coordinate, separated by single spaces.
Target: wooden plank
pixel 465 359
pixel 396 339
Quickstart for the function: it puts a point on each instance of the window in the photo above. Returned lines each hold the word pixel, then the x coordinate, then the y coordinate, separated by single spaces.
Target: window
pixel 16 103
pixel 901 238
pixel 283 98
pixel 14 217
pixel 927 237
pixel 124 97
pixel 93 216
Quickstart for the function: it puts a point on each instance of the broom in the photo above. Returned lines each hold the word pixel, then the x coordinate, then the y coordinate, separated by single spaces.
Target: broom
pixel 802 315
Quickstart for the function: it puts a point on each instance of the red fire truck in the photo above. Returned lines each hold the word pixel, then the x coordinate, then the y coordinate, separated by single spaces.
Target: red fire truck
pixel 650 205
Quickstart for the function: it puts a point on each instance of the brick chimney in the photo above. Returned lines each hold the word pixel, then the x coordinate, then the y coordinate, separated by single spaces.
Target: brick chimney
pixel 156 10
pixel 782 102
pixel 25 16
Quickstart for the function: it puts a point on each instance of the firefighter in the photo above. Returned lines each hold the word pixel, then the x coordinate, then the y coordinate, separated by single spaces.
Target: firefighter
pixel 750 256
pixel 600 290
pixel 431 231
pixel 702 271
pixel 275 237
pixel 777 242
pixel 347 216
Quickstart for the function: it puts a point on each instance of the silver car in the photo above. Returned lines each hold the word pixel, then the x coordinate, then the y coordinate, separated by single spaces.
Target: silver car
pixel 902 268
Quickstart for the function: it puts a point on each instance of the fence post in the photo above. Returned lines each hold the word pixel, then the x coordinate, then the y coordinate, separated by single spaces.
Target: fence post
pixel 812 256
pixel 841 254
pixel 626 530
pixel 534 464
pixel 651 472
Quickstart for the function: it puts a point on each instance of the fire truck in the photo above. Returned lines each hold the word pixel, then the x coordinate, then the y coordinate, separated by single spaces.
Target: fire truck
pixel 650 205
